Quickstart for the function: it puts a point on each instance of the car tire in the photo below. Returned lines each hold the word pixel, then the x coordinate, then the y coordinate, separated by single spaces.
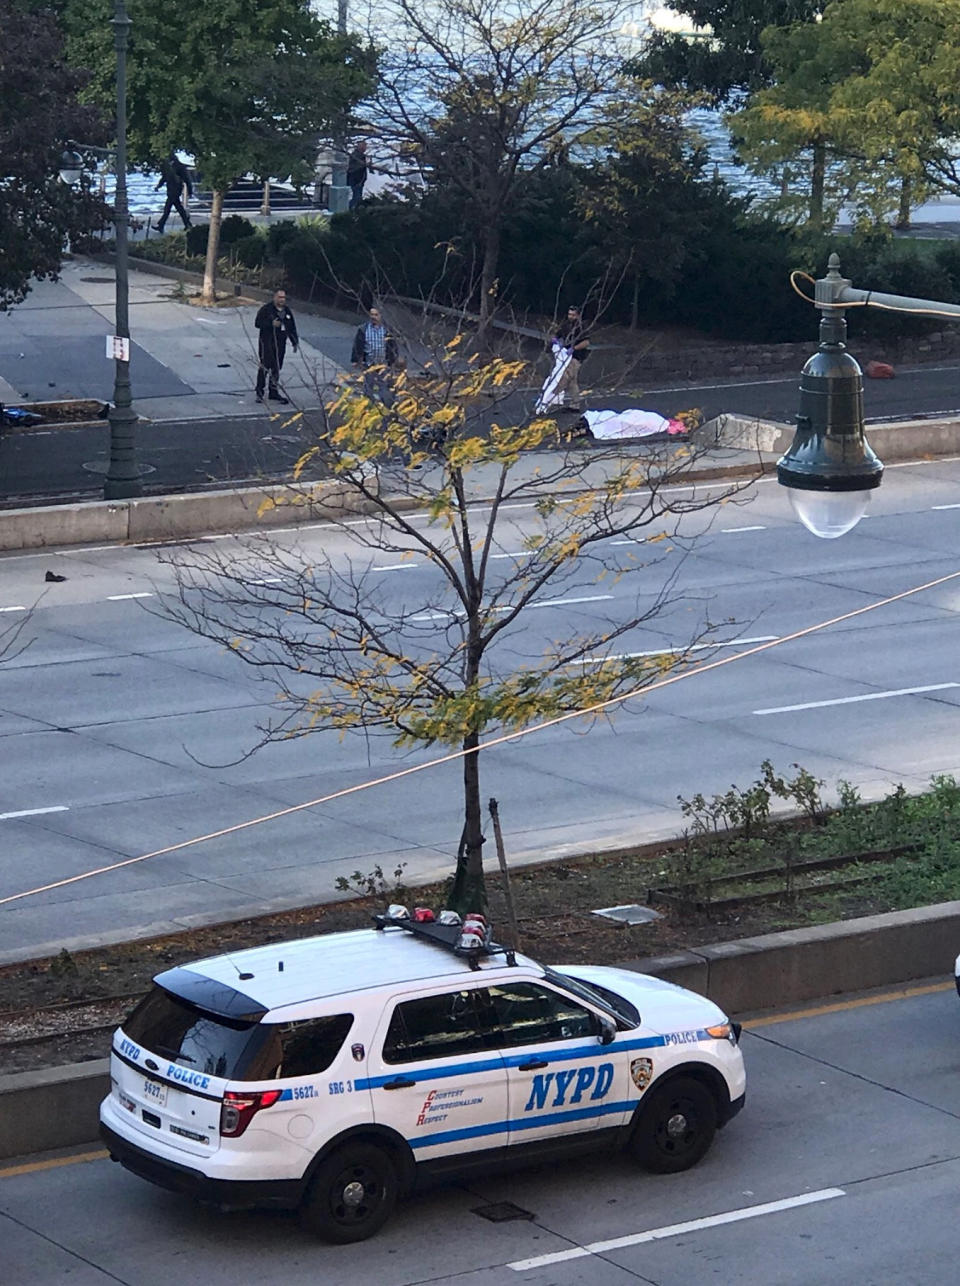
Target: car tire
pixel 675 1126
pixel 352 1194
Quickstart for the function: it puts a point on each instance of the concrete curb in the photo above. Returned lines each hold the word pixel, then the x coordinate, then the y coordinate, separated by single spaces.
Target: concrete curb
pixel 897 440
pixel 175 517
pixel 57 1107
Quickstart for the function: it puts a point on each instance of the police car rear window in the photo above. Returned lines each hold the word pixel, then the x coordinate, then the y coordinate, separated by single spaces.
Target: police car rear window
pixel 232 1048
pixel 185 1034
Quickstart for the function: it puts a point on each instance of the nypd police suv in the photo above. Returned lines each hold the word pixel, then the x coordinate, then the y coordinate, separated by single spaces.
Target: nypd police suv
pixel 329 1074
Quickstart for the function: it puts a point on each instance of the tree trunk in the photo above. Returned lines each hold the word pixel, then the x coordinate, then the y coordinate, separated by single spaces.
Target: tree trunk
pixel 469 890
pixel 817 183
pixel 635 304
pixel 488 282
pixel 213 245
pixel 903 214
pixel 265 204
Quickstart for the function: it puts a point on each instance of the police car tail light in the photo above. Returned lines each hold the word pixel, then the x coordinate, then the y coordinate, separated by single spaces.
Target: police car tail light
pixel 239 1109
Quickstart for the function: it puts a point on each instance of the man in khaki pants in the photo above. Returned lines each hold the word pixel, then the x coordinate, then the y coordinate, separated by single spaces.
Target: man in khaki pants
pixel 570 346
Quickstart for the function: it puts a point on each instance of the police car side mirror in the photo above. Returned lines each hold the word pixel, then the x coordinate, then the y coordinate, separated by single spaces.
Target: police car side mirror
pixel 607 1032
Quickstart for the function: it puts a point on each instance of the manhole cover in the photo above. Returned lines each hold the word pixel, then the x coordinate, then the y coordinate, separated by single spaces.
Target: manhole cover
pixel 502 1212
pixel 99 281
pixel 632 914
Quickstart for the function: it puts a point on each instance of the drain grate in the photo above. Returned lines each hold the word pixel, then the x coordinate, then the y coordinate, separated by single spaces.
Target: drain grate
pixel 502 1212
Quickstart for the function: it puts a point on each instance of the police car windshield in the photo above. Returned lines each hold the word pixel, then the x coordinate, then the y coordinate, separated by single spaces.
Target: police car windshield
pixel 618 1008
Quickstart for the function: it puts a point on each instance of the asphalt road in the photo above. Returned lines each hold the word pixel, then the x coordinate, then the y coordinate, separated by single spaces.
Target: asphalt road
pixel 195 453
pixel 122 733
pixel 843 1167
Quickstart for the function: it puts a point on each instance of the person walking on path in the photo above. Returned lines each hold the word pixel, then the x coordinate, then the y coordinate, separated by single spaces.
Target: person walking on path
pixel 375 349
pixel 275 324
pixel 175 176
pixel 357 173
pixel 570 347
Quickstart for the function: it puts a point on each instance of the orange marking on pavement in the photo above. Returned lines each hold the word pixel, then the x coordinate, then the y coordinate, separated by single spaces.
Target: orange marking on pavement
pixel 841 1005
pixel 31 1167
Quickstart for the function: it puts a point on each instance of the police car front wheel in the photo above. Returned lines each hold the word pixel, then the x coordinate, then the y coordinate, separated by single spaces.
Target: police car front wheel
pixel 351 1195
pixel 675 1127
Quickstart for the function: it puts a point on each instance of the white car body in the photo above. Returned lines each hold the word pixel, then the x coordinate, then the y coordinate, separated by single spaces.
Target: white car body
pixel 380 1039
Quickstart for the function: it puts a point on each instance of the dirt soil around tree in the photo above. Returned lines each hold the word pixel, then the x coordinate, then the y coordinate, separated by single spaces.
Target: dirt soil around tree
pixel 62 1009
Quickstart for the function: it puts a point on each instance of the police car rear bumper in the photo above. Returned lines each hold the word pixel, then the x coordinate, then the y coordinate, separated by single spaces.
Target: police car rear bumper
pixel 283 1194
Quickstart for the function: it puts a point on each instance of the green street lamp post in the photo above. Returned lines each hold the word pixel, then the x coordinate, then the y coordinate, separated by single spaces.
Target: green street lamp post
pixel 123 475
pixel 830 469
pixel 123 479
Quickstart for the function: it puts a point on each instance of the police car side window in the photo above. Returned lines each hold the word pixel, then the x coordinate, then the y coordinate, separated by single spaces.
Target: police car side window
pixel 440 1026
pixel 528 1014
pixel 312 1046
pixel 298 1049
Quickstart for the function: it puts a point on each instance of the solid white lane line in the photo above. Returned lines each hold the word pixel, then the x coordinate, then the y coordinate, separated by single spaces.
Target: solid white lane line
pixel 34 812
pixel 395 567
pixel 637 541
pixel 727 531
pixel 270 580
pixel 121 598
pixel 13 609
pixel 663 651
pixel 524 553
pixel 677 1229
pixel 957 506
pixel 865 696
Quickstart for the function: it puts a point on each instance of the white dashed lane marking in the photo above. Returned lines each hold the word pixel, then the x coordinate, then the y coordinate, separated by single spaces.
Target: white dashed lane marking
pixel 864 696
pixel 677 1229
pixel 34 812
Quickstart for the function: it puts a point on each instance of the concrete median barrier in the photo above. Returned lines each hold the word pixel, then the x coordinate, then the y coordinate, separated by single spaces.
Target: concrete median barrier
pixel 57 1107
pixel 175 517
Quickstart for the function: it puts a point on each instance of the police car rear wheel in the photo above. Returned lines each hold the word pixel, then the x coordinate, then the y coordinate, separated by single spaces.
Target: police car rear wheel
pixel 352 1194
pixel 676 1126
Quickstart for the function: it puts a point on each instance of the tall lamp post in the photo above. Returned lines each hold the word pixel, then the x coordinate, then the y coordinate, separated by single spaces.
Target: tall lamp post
pixel 123 479
pixel 830 469
pixel 339 197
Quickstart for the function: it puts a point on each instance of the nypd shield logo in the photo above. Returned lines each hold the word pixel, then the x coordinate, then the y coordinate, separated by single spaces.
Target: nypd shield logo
pixel 641 1072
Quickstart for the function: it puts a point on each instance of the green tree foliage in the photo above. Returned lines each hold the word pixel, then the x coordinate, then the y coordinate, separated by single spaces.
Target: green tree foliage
pixel 39 112
pixel 488 93
pixel 727 55
pixel 453 661
pixel 802 132
pixel 900 99
pixel 638 193
pixel 242 85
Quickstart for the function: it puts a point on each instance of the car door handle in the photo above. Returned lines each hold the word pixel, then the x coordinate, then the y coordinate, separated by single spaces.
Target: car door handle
pixel 532 1065
pixel 399 1083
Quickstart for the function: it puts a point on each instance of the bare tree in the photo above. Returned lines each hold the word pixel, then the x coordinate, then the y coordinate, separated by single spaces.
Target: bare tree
pixel 488 91
pixel 508 513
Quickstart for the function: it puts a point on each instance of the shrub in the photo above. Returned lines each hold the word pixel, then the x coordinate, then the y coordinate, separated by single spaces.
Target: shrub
pixel 197 237
pixel 235 228
pixel 250 251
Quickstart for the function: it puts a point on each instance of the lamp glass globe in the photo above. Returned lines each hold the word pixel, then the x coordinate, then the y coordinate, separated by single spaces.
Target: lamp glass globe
pixel 829 514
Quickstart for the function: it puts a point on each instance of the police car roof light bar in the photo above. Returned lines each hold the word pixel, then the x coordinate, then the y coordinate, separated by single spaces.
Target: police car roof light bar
pixel 446 936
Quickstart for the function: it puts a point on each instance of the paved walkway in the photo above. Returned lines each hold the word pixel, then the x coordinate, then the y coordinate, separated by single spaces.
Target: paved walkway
pixel 187 363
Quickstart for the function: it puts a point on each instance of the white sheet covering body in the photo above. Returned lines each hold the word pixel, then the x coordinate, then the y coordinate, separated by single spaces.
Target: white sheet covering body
pixel 632 423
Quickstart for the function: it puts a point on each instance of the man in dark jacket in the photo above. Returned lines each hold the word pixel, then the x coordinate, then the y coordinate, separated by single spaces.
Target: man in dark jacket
pixel 357 173
pixel 571 337
pixel 275 324
pixel 175 176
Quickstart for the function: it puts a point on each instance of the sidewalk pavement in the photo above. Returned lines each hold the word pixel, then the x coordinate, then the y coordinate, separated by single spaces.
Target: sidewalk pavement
pixel 187 363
